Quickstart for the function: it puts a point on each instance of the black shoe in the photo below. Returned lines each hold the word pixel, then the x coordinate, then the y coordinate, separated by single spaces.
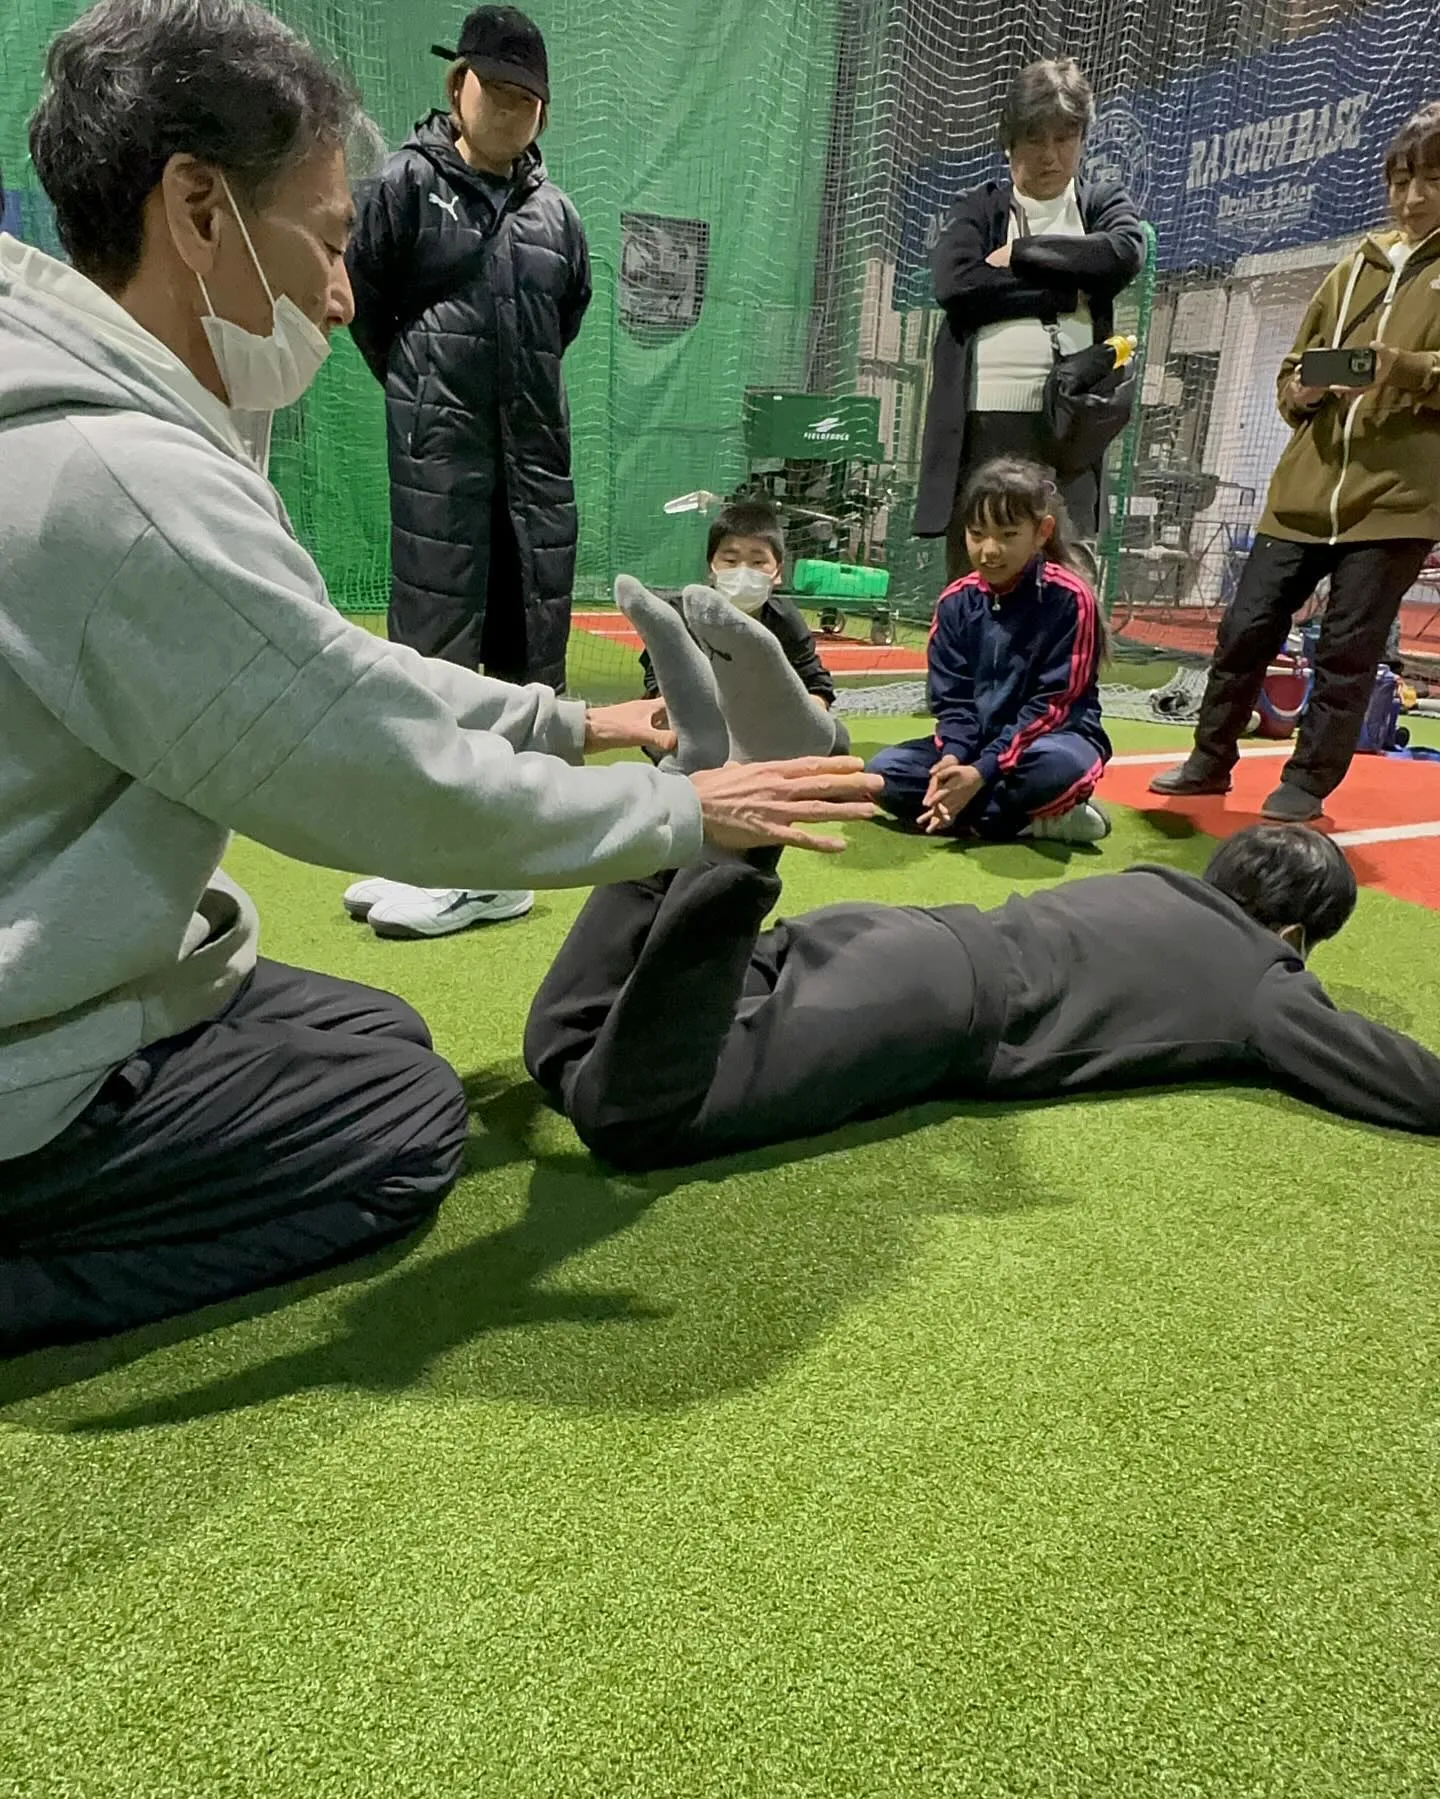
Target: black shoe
pixel 1190 777
pixel 1290 805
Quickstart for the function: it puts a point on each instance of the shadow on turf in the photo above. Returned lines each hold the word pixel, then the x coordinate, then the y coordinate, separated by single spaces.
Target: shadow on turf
pixel 1021 857
pixel 722 1273
pixel 743 1287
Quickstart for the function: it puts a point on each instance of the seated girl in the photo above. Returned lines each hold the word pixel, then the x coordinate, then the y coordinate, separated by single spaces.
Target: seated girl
pixel 1015 655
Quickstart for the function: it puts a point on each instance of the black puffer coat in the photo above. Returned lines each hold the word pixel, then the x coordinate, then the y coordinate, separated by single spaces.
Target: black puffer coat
pixel 466 297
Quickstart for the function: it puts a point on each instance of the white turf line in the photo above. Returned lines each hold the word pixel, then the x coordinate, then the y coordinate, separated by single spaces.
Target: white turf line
pixel 1386 834
pixel 1177 756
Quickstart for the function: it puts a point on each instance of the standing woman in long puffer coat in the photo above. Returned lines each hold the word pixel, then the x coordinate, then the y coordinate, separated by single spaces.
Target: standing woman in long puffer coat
pixel 471 278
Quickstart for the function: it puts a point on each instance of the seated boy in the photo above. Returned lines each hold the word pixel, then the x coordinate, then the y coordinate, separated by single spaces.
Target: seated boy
pixel 671 1028
pixel 745 556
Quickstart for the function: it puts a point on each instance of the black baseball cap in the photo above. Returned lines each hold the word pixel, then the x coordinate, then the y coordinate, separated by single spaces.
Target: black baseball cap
pixel 501 44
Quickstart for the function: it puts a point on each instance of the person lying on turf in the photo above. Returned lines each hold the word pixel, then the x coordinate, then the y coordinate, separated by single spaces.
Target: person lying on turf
pixel 1014 678
pixel 672 1027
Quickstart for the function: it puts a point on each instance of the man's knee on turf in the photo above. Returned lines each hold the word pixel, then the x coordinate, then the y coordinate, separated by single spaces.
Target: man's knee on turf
pixel 551 1048
pixel 404 1024
pixel 423 1161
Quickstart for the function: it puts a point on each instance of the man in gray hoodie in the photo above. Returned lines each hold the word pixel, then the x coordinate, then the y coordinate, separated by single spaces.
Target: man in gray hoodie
pixel 179 1120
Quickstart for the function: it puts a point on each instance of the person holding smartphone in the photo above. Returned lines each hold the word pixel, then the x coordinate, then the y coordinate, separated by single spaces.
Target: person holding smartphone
pixel 1355 496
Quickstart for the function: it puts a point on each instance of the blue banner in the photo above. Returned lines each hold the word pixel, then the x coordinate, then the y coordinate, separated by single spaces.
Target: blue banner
pixel 10 212
pixel 1257 153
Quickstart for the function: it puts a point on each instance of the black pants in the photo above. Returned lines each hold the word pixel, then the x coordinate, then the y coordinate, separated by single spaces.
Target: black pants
pixel 492 636
pixel 992 434
pixel 670 1029
pixel 1367 583
pixel 309 1123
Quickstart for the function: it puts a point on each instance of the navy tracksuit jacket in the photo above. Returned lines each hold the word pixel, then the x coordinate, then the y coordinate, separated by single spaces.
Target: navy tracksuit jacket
pixel 1014 686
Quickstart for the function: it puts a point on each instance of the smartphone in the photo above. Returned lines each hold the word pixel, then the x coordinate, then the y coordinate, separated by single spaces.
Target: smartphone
pixel 1337 368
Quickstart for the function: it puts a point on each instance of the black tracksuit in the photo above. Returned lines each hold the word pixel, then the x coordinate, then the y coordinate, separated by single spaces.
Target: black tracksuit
pixel 671 1029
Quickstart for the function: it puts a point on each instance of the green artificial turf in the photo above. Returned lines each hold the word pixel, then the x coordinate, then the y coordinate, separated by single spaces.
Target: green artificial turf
pixel 1083 1450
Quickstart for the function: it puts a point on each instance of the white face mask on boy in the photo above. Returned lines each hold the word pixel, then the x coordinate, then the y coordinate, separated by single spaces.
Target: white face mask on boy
pixel 746 588
pixel 262 374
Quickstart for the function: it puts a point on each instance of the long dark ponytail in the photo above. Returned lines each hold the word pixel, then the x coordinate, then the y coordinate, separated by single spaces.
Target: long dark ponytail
pixel 1013 491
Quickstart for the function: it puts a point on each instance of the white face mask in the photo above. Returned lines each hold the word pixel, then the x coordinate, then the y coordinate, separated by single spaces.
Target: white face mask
pixel 746 588
pixel 262 374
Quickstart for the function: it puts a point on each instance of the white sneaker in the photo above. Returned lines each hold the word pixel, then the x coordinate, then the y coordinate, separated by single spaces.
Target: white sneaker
pixel 439 911
pixel 1084 823
pixel 360 896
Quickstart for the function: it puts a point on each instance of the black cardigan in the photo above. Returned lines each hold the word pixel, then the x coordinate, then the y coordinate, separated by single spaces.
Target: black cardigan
pixel 1046 277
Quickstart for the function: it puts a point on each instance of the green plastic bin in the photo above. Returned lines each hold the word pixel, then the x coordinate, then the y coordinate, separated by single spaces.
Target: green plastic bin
pixel 839 581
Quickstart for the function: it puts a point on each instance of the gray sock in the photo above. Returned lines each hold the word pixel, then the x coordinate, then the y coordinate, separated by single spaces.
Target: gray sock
pixel 687 685
pixel 770 715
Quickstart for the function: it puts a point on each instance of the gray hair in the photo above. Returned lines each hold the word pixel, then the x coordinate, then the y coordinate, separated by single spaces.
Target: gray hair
pixel 365 149
pixel 134 82
pixel 1047 96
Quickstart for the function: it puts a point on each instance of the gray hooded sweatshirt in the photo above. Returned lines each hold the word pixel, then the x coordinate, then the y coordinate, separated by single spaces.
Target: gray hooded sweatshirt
pixel 171 670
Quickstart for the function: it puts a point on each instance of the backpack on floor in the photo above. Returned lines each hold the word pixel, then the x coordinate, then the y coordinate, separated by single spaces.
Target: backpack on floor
pixel 1381 733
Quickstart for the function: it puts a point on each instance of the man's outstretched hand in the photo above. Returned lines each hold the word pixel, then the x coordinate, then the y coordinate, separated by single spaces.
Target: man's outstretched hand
pixel 749 805
pixel 632 725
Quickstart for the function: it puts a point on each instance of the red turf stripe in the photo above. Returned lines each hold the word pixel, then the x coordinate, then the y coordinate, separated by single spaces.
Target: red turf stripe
pixel 1378 791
